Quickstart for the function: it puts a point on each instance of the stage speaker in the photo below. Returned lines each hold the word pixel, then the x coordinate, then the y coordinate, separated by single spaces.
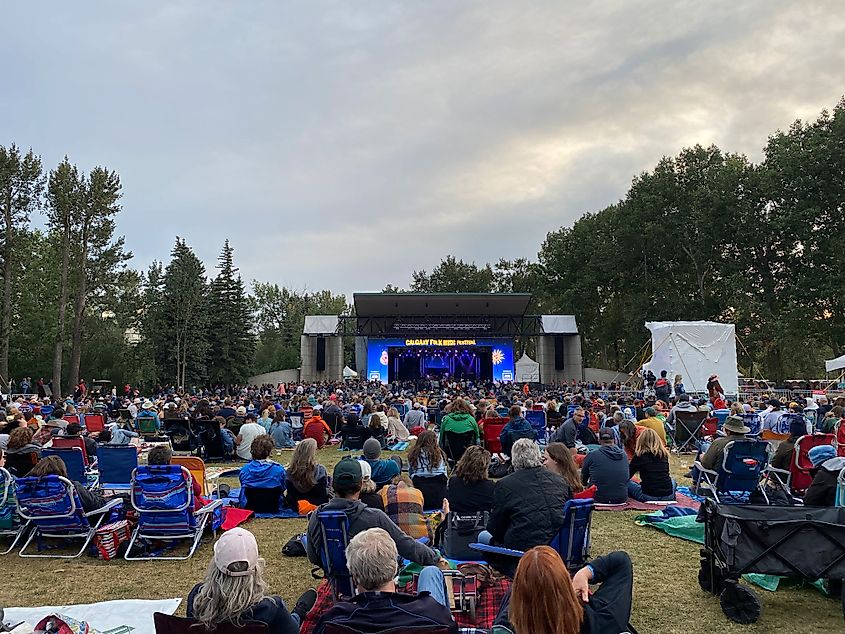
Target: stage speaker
pixel 558 352
pixel 321 354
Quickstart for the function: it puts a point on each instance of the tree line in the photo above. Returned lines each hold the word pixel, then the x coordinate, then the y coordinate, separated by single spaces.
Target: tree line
pixel 706 234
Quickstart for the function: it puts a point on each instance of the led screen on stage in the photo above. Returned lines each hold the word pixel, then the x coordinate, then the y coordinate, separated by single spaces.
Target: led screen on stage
pixel 378 354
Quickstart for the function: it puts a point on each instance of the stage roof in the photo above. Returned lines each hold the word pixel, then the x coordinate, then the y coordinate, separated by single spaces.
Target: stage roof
pixel 441 304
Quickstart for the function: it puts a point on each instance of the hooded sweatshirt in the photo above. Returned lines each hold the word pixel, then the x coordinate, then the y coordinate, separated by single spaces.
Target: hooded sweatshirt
pixel 822 491
pixel 361 517
pixel 261 474
pixel 459 423
pixel 607 468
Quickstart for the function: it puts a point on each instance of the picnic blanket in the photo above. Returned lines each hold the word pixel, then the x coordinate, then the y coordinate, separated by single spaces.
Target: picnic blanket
pixel 103 616
pixel 234 495
pixel 681 500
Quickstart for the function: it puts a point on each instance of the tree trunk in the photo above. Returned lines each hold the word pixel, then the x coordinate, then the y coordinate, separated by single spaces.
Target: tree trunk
pixel 6 325
pixel 79 310
pixel 58 349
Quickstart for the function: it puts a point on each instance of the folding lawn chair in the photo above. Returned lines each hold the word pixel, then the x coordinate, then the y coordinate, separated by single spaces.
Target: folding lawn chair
pixel 74 462
pixel 572 541
pixel 169 624
pixel 197 468
pixel 52 509
pixel 146 428
pixel 180 434
pixel 334 538
pixel 491 428
pixel 10 521
pixel 839 437
pixel 538 422
pixel 211 442
pixel 116 464
pixel 20 464
pixel 840 489
pixel 461 531
pixel 71 442
pixel 94 423
pixel 297 423
pixel 754 422
pixel 454 444
pixel 71 418
pixel 745 462
pixel 163 497
pixel 800 465
pixel 687 432
pixel 780 431
pixel 263 499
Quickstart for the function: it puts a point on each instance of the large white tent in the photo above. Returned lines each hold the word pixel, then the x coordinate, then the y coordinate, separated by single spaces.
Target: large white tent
pixel 835 364
pixel 695 350
pixel 527 370
pixel 349 373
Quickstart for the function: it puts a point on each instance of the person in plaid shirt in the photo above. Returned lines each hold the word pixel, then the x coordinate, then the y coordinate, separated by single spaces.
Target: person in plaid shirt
pixel 404 505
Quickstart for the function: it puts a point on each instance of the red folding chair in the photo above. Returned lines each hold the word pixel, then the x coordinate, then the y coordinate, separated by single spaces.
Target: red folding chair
pixel 839 437
pixel 71 418
pixel 799 468
pixel 94 423
pixel 710 426
pixel 69 442
pixel 491 428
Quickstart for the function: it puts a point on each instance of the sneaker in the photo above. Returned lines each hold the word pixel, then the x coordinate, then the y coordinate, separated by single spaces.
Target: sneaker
pixel 305 603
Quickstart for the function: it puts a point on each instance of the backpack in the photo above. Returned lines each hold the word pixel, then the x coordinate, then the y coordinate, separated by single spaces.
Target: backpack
pixel 295 546
pixel 461 531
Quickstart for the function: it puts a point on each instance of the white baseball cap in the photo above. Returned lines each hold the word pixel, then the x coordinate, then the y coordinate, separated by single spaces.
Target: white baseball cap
pixel 233 546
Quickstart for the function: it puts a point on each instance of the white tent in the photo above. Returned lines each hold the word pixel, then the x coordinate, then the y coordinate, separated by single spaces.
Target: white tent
pixel 695 350
pixel 349 373
pixel 835 364
pixel 527 370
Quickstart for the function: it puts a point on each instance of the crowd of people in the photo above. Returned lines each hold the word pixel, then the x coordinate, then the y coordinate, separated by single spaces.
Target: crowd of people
pixel 589 448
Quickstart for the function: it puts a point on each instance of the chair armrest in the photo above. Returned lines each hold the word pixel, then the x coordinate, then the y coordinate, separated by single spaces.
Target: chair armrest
pixel 208 508
pixel 108 507
pixel 697 464
pixel 496 550
pixel 214 476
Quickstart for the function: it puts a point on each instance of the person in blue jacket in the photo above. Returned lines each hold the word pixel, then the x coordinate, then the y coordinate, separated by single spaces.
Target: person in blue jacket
pixel 261 472
pixel 516 428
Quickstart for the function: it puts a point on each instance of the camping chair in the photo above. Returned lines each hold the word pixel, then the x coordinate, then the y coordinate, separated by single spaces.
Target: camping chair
pixel 710 426
pixel 334 538
pixel 71 418
pixel 197 468
pixel 20 464
pixel 10 521
pixel 490 430
pixel 211 442
pixel 116 464
pixel 74 462
pixel 839 437
pixel 52 508
pixel 840 489
pixel 745 462
pixel 687 431
pixel 169 624
pixel 781 429
pixel 297 423
pixel 264 499
pixel 72 442
pixel 754 422
pixel 94 423
pixel 163 497
pixel 234 424
pixel 571 542
pixel 180 434
pixel 538 422
pixel 146 428
pixel 455 444
pixel 800 465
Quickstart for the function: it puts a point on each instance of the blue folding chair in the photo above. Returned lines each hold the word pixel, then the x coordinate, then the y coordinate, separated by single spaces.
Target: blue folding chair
pixel 572 541
pixel 10 521
pixel 538 422
pixel 164 500
pixel 74 462
pixel 334 538
pixel 116 464
pixel 745 463
pixel 52 509
pixel 754 422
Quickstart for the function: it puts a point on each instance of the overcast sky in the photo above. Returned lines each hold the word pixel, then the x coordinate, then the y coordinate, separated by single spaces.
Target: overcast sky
pixel 344 144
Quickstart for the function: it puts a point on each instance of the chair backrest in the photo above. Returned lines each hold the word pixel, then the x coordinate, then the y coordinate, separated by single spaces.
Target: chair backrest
pixel 52 504
pixel 572 541
pixel 742 465
pixel 169 624
pixel 491 429
pixel 710 426
pixel 840 489
pixel 341 628
pixel 334 538
pixel 71 418
pixel 721 415
pixel 197 468
pixel 455 444
pixel 71 442
pixel 8 502
pixel 753 421
pixel 234 423
pixel 263 500
pixel 800 465
pixel 116 464
pixel 208 431
pixel 164 499
pixel 146 425
pixel 839 438
pixel 74 462
pixel 538 422
pixel 20 464
pixel 94 423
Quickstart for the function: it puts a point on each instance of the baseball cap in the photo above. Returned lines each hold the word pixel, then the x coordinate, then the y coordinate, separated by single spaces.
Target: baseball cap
pixel 366 470
pixel 233 546
pixel 348 471
pixel 606 435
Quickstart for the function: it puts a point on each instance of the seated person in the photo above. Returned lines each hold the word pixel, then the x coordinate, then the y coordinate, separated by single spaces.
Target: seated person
pixel 74 430
pixel 516 428
pixel 651 460
pixel 607 469
pixel 544 598
pixel 395 428
pixel 248 432
pixel 21 442
pixel 734 429
pixel 521 521
pixel 281 431
pixel 404 505
pixel 558 459
pixel 415 418
pixel 306 480
pixel 427 468
pixel 383 470
pixel 227 438
pixel 785 451
pixel 261 473
pixel 233 590
pixel 574 428
pixel 162 455
pixel 148 411
pixel 470 490
pixel 369 495
pixel 353 433
pixel 460 420
pixel 347 480
pixel 376 430
pixel 826 469
pixel 53 465
pixel 316 428
pixel 114 434
pixel 371 557
pixel 653 422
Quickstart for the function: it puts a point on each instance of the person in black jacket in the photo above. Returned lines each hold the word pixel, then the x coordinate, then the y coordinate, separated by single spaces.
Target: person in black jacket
pixel 826 469
pixel 353 433
pixel 651 460
pixel 469 489
pixel 528 504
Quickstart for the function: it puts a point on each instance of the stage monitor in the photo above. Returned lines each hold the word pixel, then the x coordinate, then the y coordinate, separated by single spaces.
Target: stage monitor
pixel 412 359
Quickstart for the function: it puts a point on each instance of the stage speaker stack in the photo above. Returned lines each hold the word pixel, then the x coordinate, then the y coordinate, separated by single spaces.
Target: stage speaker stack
pixel 321 354
pixel 558 353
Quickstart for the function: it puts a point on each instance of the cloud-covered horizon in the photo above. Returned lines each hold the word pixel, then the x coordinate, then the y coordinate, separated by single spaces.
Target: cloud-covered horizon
pixel 343 145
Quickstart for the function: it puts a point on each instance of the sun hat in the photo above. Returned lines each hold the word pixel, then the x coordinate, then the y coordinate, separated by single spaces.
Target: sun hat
pixel 147 405
pixel 348 471
pixel 372 449
pixel 236 545
pixel 736 425
pixel 811 404
pixel 820 454
pixel 241 411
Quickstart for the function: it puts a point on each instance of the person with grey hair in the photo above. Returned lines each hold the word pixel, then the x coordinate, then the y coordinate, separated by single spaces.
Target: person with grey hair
pixel 371 557
pixel 527 504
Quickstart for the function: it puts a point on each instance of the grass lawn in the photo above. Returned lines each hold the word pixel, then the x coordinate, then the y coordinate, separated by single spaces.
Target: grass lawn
pixel 667 598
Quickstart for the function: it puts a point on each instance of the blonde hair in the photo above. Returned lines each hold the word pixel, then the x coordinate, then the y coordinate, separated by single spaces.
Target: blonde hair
pixel 649 442
pixel 224 598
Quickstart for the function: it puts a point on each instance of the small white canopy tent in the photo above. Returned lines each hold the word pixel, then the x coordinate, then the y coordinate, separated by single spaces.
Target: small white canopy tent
pixel 835 364
pixel 527 370
pixel 349 373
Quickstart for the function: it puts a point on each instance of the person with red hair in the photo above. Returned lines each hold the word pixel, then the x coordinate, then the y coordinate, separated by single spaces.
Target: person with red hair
pixel 544 598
